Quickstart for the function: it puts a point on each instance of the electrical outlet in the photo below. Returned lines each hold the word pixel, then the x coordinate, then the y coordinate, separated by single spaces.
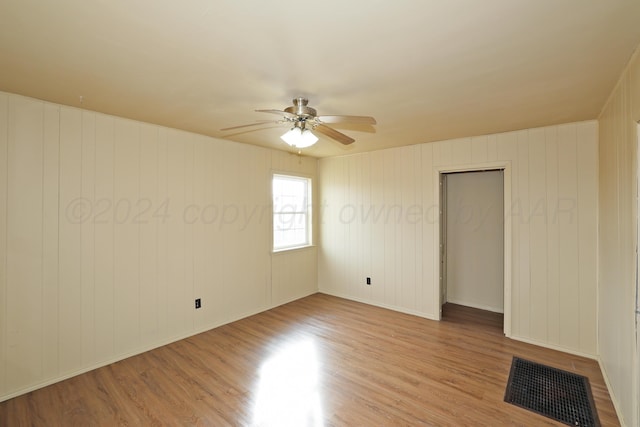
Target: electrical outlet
pixel 198 303
pixel 368 280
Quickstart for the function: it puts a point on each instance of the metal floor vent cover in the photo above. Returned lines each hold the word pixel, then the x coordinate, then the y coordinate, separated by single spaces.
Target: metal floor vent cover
pixel 554 393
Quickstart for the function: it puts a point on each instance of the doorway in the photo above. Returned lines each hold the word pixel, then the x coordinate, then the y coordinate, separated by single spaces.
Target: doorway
pixel 472 239
pixel 441 273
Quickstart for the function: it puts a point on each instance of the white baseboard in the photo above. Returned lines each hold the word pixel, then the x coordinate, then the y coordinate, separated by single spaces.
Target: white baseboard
pixel 140 350
pixel 555 347
pixel 381 305
pixel 97 365
pixel 616 405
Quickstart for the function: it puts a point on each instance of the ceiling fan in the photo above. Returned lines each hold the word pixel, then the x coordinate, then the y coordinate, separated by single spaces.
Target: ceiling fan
pixel 304 119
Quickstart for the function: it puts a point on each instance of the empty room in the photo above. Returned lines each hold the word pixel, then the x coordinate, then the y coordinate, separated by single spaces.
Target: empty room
pixel 353 213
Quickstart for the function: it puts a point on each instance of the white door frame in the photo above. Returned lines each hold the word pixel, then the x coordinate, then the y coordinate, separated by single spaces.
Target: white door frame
pixel 637 307
pixel 443 239
pixel 505 166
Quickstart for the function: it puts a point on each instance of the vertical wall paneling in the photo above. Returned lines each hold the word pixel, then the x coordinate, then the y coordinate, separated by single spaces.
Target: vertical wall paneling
pixel 289 276
pixel 366 269
pixel 479 149
pixel 460 151
pixel 553 232
pixel 617 242
pixel 215 294
pixel 179 304
pixel 102 219
pixel 354 226
pixel 50 212
pixel 394 220
pixel 87 235
pixel 72 212
pixel 147 218
pixel 4 167
pixel 110 228
pixel 24 237
pixel 126 235
pixel 567 216
pixel 392 235
pixel 255 228
pixel 443 153
pixel 377 226
pixel 360 227
pixel 188 274
pixel 609 344
pixel 539 317
pixel 199 260
pixel 540 179
pixel 624 188
pixel 523 291
pixel 408 221
pixel 227 213
pixel 492 149
pixel 347 216
pixel 508 146
pixel 587 231
pixel 430 255
pixel 243 231
pixel 416 218
pixel 326 217
pixel 260 217
pixel 162 213
pixel 342 218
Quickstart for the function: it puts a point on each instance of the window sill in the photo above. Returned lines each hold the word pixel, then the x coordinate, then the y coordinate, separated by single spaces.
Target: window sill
pixel 295 248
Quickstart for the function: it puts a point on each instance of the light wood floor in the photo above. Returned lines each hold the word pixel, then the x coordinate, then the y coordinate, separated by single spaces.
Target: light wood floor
pixel 319 361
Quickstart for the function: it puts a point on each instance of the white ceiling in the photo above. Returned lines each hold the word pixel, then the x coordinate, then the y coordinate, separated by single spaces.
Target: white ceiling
pixel 427 70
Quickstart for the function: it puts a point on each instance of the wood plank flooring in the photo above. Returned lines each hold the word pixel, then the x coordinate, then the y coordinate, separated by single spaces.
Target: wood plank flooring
pixel 318 361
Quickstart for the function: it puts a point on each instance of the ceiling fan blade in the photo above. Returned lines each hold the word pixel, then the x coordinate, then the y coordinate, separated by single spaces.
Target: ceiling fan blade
pixel 279 112
pixel 365 120
pixel 262 122
pixel 334 134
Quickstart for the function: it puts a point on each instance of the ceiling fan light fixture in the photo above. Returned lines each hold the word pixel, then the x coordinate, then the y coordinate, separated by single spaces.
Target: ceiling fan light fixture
pixel 299 138
pixel 301 116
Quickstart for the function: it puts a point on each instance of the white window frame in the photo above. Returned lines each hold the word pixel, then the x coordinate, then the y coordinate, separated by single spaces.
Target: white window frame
pixel 307 212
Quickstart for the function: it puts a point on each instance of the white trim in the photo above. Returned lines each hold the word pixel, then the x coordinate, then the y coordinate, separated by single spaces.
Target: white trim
pixel 381 305
pixel 636 365
pixel 505 166
pixel 293 248
pixel 607 383
pixel 144 349
pixel 554 347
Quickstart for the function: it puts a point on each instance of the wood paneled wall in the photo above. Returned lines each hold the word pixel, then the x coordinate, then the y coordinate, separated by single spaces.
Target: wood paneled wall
pixel 617 244
pixel 380 220
pixel 109 230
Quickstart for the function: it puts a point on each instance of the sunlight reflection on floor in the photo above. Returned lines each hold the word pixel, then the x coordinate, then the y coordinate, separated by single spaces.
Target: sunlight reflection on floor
pixel 288 393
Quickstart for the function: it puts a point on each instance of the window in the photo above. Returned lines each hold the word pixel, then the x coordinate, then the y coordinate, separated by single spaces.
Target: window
pixel 291 212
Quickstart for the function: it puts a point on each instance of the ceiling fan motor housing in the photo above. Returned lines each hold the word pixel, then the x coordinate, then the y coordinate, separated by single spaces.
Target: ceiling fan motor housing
pixel 300 108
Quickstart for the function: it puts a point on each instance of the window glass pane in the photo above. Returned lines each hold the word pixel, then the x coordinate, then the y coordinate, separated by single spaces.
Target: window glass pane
pixel 290 211
pixel 289 194
pixel 290 230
